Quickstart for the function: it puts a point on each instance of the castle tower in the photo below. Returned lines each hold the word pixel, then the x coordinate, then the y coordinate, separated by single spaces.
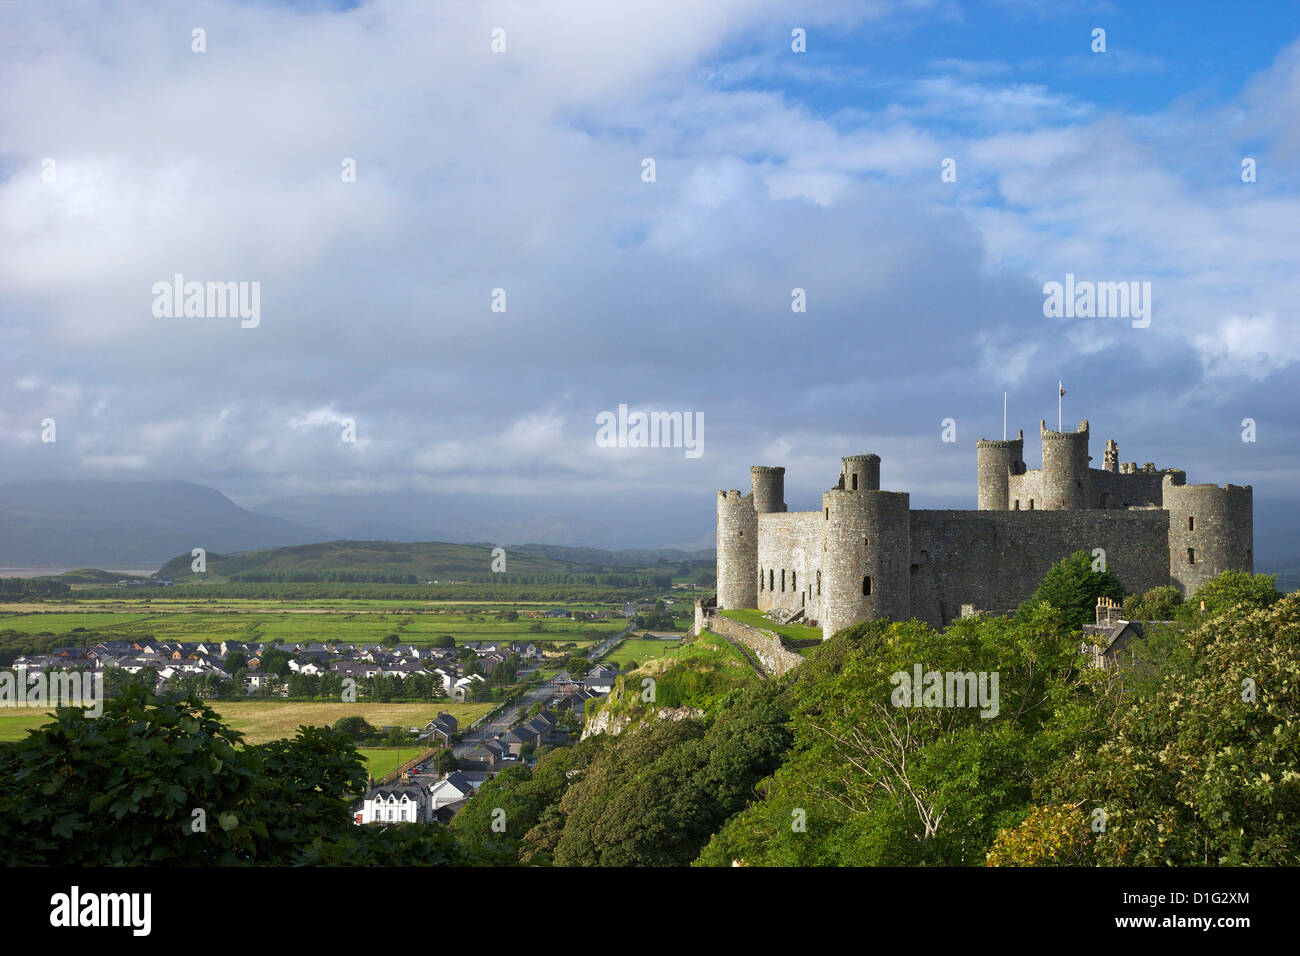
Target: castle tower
pixel 1211 530
pixel 860 472
pixel 1111 460
pixel 866 553
pixel 769 489
pixel 995 462
pixel 1066 482
pixel 737 551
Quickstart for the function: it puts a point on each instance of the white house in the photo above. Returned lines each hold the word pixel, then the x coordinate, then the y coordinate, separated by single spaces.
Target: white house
pixel 453 788
pixel 396 803
pixel 460 691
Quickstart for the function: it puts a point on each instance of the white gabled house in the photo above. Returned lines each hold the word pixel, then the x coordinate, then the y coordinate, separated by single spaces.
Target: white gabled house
pixel 396 803
pixel 453 788
pixel 461 690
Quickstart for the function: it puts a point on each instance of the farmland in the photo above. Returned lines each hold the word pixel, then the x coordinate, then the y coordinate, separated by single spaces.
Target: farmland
pixel 639 650
pixel 362 622
pixel 260 721
pixel 263 720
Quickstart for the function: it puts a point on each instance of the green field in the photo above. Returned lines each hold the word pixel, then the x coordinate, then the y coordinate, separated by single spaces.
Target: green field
pixel 381 761
pixel 296 622
pixel 16 721
pixel 755 619
pixel 639 650
pixel 263 720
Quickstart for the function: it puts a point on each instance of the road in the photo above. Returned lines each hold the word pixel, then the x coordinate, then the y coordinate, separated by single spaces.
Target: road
pixel 510 716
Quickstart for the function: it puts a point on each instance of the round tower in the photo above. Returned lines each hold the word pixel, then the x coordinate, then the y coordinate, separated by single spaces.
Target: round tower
pixel 866 553
pixel 1066 482
pixel 995 462
pixel 737 551
pixel 1211 530
pixel 860 472
pixel 769 488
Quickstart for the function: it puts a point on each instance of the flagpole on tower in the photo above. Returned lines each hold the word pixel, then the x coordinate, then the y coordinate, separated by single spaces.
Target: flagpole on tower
pixel 1060 390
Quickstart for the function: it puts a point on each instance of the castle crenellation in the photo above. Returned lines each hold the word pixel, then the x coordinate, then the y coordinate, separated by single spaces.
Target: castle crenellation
pixel 867 555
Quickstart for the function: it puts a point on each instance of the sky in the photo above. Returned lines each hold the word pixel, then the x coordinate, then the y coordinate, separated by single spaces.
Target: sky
pixel 128 157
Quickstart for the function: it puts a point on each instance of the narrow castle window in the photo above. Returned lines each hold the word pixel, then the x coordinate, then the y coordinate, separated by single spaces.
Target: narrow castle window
pixel 828 514
pixel 1191 523
pixel 770 578
pixel 855 482
pixel 794 585
pixel 1031 504
pixel 783 580
pixel 1017 507
pixel 819 582
pixel 760 579
pixel 1191 555
pixel 866 585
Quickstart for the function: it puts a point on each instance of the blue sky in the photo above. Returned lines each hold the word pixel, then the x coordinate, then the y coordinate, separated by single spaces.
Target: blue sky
pixel 522 170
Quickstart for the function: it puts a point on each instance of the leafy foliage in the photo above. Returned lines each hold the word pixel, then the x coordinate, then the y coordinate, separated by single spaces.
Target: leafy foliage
pixel 1233 589
pixel 1204 771
pixel 163 783
pixel 1072 587
pixel 1158 604
pixel 1048 836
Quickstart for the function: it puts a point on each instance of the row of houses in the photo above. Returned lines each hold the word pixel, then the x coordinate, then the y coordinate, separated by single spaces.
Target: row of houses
pixel 413 800
pixel 174 659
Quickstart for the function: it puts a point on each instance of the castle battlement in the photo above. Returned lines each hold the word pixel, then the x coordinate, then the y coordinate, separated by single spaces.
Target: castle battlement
pixel 866 555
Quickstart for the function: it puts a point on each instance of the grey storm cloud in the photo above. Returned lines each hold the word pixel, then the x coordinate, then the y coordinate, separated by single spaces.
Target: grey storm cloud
pixel 522 171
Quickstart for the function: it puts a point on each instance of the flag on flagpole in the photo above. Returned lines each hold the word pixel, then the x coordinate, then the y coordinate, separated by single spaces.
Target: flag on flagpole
pixel 1061 387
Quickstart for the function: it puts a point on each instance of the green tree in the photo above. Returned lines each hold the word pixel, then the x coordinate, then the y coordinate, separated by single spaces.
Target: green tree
pixel 354 727
pixel 657 797
pixel 1158 604
pixel 1232 589
pixel 163 783
pixel 1072 587
pixel 444 760
pixel 1202 772
pixel 869 781
pixel 275 662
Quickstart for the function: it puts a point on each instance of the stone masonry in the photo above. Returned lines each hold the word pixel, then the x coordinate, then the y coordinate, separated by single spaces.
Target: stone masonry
pixel 865 554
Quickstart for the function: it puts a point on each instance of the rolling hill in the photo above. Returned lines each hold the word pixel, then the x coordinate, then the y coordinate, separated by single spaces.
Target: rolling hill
pixel 426 560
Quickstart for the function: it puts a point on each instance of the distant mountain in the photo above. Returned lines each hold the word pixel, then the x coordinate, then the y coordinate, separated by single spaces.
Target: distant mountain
pixel 90 523
pixel 613 522
pixel 426 560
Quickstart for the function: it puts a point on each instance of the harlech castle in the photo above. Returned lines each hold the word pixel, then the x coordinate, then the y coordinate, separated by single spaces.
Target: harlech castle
pixel 866 554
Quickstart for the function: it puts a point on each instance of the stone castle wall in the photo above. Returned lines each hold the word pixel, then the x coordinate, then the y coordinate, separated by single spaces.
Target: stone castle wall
pixel 865 555
pixel 737 550
pixel 1205 536
pixel 996 559
pixel 789 545
pixel 773 656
